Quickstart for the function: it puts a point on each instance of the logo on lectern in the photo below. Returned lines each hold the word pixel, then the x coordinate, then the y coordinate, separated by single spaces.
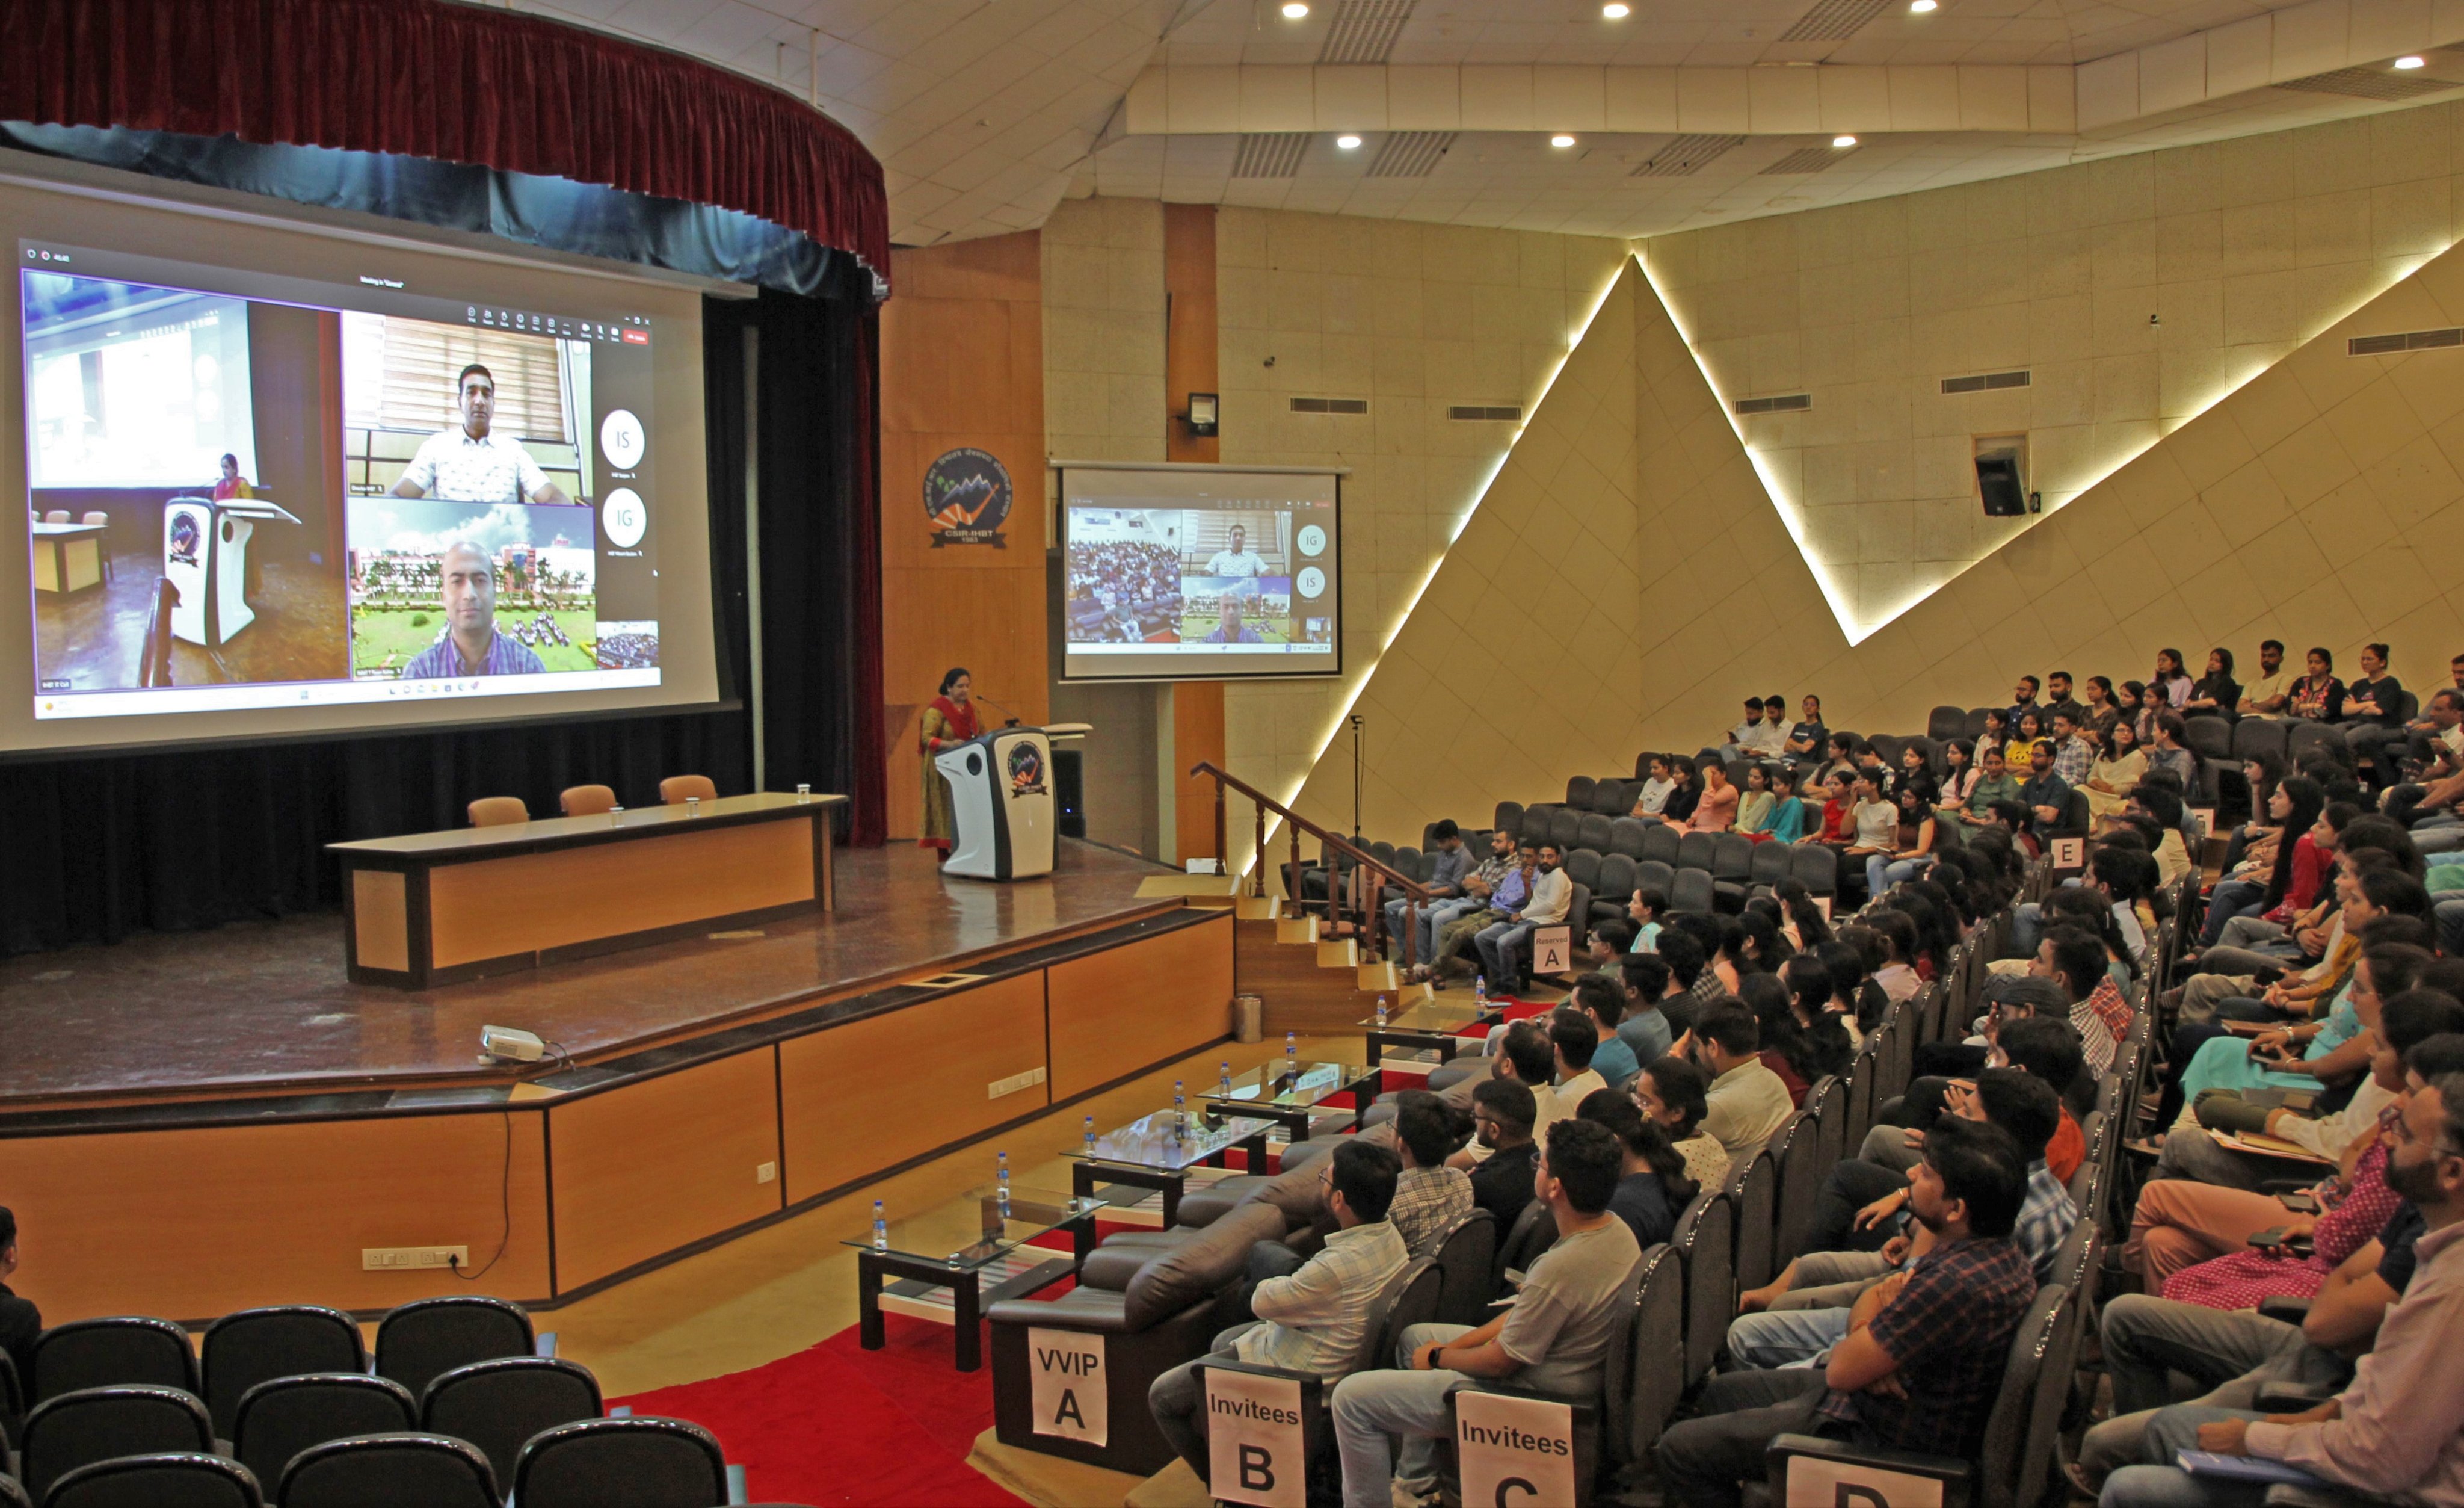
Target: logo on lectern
pixel 1026 769
pixel 186 536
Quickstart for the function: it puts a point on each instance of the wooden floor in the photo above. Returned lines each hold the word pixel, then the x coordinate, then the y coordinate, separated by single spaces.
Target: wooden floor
pixel 264 1007
pixel 93 639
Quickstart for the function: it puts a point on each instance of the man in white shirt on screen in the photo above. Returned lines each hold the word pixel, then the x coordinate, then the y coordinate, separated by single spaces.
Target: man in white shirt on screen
pixel 469 463
pixel 1236 559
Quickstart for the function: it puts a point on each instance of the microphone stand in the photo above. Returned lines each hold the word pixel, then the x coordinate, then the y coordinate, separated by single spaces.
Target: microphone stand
pixel 990 702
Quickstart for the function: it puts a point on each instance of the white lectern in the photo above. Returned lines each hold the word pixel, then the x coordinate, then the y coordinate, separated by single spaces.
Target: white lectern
pixel 205 555
pixel 1001 801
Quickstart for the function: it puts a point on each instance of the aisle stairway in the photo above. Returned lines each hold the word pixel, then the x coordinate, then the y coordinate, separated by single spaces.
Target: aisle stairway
pixel 1310 984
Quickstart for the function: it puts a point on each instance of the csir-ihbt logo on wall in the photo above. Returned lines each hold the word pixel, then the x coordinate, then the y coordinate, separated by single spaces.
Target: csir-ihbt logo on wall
pixel 967 498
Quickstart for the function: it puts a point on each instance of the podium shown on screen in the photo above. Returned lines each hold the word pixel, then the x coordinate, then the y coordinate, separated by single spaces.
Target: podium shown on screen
pixel 205 555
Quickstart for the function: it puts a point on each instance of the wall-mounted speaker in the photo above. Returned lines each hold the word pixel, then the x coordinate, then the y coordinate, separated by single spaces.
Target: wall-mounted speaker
pixel 1998 483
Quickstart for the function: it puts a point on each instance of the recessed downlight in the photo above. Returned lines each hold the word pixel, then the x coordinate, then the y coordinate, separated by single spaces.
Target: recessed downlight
pixel 1616 11
pixel 1348 142
pixel 2411 60
pixel 1561 138
pixel 1844 140
pixel 1294 10
pixel 1921 7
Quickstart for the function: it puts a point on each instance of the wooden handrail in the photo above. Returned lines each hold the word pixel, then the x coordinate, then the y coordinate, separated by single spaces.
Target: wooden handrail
pixel 1341 845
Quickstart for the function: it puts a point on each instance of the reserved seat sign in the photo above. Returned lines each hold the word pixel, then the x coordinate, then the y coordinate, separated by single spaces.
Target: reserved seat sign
pixel 1071 1396
pixel 1255 1448
pixel 1552 950
pixel 1514 1453
pixel 1817 1483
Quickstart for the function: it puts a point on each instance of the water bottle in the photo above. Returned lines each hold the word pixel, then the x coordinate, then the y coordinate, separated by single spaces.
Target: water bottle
pixel 1090 1135
pixel 1382 1013
pixel 1000 1194
pixel 1292 1051
pixel 1480 991
pixel 1179 1103
pixel 880 1229
pixel 1223 1082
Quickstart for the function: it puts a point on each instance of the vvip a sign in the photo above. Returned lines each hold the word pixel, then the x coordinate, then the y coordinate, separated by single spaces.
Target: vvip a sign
pixel 1069 1393
pixel 1552 950
pixel 1256 1450
pixel 1514 1453
pixel 967 498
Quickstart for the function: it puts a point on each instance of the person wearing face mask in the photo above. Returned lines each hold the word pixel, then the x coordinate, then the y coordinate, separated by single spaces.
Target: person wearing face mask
pixel 1505 946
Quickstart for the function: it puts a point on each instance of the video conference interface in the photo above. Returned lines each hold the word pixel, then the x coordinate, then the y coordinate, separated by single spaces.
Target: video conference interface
pixel 1201 582
pixel 248 490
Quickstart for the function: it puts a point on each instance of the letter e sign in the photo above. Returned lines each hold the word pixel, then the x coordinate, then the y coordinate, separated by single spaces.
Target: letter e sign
pixel 1069 1396
pixel 1515 1452
pixel 1255 1452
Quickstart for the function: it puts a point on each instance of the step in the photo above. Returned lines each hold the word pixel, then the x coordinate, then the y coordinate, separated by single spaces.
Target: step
pixel 1296 929
pixel 1384 977
pixel 1339 953
pixel 1257 908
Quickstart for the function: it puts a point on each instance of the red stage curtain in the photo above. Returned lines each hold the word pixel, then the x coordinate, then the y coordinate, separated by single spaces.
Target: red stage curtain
pixel 455 82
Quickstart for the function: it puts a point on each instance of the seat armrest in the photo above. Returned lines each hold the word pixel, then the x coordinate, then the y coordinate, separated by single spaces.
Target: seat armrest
pixel 2292 1397
pixel 1099 1311
pixel 2284 1307
pixel 1956 1475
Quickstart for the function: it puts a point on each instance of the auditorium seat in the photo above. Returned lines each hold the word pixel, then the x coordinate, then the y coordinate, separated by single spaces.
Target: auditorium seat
pixel 1508 818
pixel 424 1339
pixel 586 801
pixel 1627 835
pixel 166 1480
pixel 257 1346
pixel 498 1405
pixel 2305 738
pixel 1466 1255
pixel 1612 889
pixel 673 790
pixel 13 1403
pixel 1534 1230
pixel 494 811
pixel 1656 1353
pixel 1660 844
pixel 95 1424
pixel 1945 723
pixel 596 1462
pixel 1753 1190
pixel 1578 791
pixel 56 516
pixel 1697 850
pixel 280 1418
pixel 1796 1152
pixel 429 1470
pixel 1691 890
pixel 126 1349
pixel 1706 1236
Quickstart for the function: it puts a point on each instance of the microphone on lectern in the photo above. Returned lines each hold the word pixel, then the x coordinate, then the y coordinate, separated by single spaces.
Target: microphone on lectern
pixel 989 702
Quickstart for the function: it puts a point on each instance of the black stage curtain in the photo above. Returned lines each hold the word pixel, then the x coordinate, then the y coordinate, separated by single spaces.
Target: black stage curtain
pixel 98 846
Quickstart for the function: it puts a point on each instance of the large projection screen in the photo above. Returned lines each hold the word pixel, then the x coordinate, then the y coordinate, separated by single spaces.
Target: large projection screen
pixel 285 479
pixel 1199 573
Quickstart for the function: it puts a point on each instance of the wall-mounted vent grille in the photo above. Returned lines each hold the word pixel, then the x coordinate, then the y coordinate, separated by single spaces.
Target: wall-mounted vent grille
pixel 1411 154
pixel 1685 156
pixel 1833 20
pixel 1270 154
pixel 1365 31
pixel 1785 403
pixel 1984 382
pixel 1507 411
pixel 2410 340
pixel 2369 84
pixel 1329 406
pixel 1811 159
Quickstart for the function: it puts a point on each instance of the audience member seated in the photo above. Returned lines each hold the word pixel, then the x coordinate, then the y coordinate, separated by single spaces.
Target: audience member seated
pixel 20 1321
pixel 1552 1340
pixel 2373 707
pixel 1910 851
pixel 1505 944
pixel 1804 1312
pixel 1671 1093
pixel 1774 1024
pixel 1430 1197
pixel 1573 1040
pixel 1316 1321
pixel 1449 866
pixel 1502 1115
pixel 1603 1000
pixel 1715 810
pixel 1653 1186
pixel 1526 1054
pixel 1505 899
pixel 1745 1101
pixel 1684 792
pixel 1655 788
pixel 2045 795
pixel 1922 1360
pixel 2397 1432
pixel 1645 1028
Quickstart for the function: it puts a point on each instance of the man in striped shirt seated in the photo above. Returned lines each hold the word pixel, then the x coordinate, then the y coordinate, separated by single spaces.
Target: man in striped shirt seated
pixel 470 645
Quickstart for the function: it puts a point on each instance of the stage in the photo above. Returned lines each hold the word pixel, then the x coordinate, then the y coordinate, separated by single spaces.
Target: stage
pixel 235 1086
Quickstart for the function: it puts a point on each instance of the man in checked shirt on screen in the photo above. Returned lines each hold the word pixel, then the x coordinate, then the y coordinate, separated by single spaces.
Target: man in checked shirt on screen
pixel 470 645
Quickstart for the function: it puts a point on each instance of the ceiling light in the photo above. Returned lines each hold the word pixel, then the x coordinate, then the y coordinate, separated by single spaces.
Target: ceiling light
pixel 1921 7
pixel 1348 142
pixel 1294 10
pixel 1616 11
pixel 2411 60
pixel 1561 140
pixel 1844 140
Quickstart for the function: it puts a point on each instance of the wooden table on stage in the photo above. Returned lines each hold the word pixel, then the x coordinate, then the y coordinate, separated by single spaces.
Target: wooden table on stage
pixel 68 557
pixel 431 908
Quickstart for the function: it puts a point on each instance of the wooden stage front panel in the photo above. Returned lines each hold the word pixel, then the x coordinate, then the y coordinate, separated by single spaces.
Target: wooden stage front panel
pixel 661 1163
pixel 878 1092
pixel 651 1154
pixel 198 1221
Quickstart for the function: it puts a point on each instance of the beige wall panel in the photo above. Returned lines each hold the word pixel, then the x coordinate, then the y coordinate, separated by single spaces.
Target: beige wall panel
pixel 657 1164
pixel 1124 1009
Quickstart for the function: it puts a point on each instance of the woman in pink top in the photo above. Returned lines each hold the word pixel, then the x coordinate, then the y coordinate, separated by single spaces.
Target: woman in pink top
pixel 1717 811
